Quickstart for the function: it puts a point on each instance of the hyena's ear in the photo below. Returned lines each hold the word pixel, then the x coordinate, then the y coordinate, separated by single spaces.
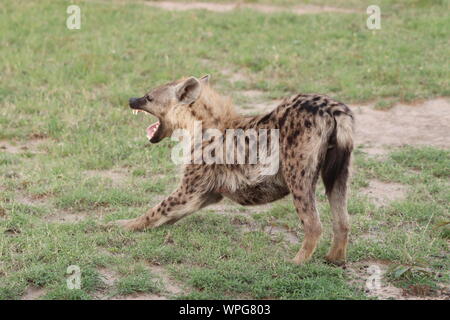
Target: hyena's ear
pixel 188 91
pixel 205 79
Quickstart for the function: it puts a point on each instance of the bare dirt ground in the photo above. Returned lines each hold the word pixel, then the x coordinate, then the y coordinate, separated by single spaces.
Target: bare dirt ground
pixel 66 216
pixel 30 146
pixel 227 7
pixel 382 193
pixel 33 293
pixel 362 271
pixel 116 176
pixel 426 123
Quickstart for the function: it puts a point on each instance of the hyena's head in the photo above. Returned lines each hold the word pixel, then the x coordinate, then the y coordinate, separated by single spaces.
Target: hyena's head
pixel 172 104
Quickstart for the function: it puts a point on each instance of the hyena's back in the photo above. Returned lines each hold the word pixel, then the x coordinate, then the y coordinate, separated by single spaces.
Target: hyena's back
pixel 315 131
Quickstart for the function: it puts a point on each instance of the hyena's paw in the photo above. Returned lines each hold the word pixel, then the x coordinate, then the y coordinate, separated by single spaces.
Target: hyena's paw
pixel 337 255
pixel 126 224
pixel 336 260
pixel 300 258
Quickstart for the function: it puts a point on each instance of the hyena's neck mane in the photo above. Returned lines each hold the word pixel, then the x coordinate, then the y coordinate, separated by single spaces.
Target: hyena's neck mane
pixel 213 110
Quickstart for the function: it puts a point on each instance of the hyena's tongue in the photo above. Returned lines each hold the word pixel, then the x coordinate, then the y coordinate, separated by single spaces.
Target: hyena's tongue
pixel 152 129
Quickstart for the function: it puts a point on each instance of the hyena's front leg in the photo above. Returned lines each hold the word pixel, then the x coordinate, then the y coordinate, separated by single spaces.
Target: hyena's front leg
pixel 179 204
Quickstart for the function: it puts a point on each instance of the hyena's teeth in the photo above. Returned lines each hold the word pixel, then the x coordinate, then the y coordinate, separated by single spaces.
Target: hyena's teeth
pixel 135 112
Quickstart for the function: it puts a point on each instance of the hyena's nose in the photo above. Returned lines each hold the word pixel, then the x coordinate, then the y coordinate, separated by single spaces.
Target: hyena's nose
pixel 134 102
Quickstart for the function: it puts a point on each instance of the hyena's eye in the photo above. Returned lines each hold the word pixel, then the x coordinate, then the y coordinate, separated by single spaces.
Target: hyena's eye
pixel 149 99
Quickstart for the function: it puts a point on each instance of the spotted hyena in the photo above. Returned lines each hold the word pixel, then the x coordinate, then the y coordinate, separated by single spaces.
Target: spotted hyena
pixel 315 138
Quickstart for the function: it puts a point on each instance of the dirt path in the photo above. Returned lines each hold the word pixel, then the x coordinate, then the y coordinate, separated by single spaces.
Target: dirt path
pixel 32 146
pixel 422 124
pixel 227 7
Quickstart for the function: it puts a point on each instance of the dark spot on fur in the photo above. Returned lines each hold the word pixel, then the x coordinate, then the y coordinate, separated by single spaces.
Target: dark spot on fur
pixel 297 103
pixel 290 139
pixel 308 106
pixel 283 119
pixel 265 119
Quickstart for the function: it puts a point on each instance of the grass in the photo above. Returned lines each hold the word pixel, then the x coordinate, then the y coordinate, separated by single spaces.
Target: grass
pixel 360 4
pixel 139 280
pixel 80 153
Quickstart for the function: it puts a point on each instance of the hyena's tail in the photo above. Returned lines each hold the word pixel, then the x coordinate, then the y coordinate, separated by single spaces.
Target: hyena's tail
pixel 336 166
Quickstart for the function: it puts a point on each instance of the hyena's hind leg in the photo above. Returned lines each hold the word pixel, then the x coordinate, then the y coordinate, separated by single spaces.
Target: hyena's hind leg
pixel 301 181
pixel 335 175
pixel 309 216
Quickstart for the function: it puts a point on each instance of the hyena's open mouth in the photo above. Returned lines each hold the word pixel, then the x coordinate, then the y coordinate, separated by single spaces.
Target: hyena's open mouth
pixel 152 129
pixel 155 130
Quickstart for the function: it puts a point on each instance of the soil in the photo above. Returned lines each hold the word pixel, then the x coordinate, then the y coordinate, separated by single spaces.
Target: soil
pixel 421 124
pixel 227 7
pixel 382 193
pixel 361 271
